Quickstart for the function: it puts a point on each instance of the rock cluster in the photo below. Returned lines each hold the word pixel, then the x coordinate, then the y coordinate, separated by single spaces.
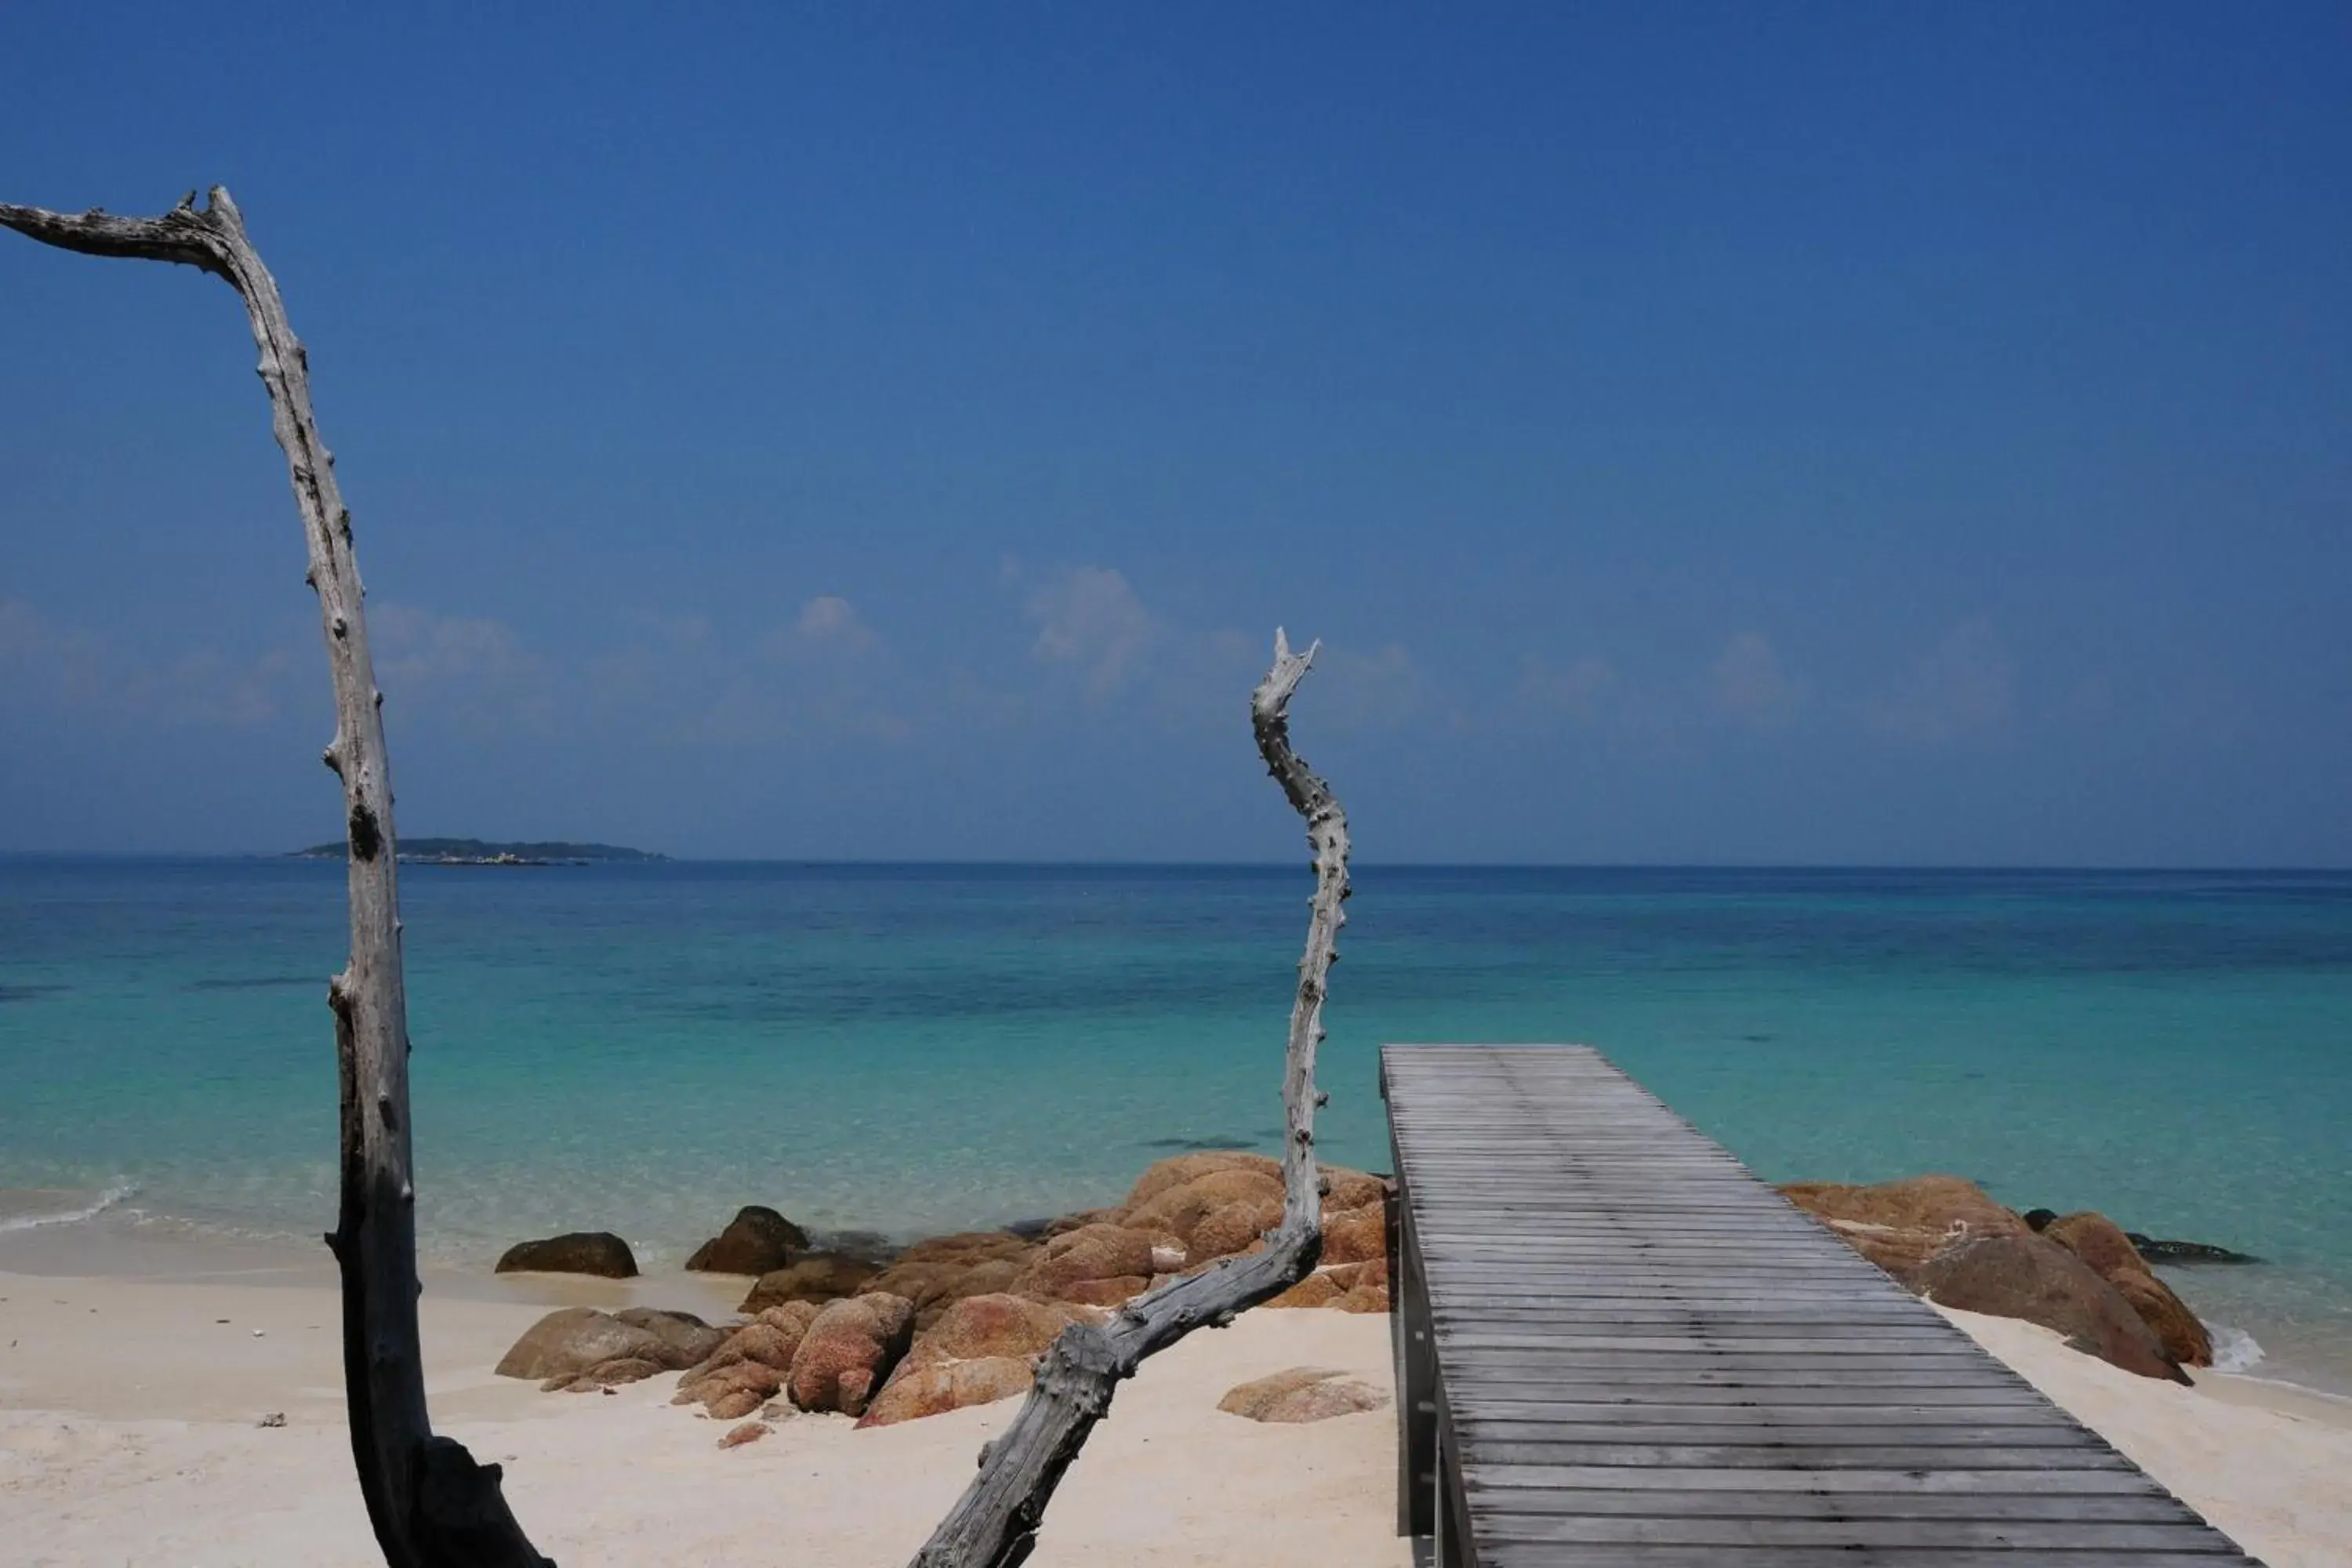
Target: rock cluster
pixel 955 1320
pixel 2079 1274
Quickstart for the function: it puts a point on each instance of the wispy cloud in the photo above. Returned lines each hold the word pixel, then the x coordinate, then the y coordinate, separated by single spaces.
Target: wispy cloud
pixel 73 670
pixel 1963 689
pixel 1089 620
pixel 1577 692
pixel 1750 685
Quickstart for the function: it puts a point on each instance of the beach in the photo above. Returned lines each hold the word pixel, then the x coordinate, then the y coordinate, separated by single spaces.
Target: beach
pixel 129 1433
pixel 132 1412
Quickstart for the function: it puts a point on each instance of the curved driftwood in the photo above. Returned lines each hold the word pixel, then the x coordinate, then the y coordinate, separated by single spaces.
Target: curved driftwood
pixel 432 1506
pixel 994 1525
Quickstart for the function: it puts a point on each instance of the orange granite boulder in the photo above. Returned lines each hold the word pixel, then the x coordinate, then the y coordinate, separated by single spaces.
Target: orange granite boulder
pixel 1899 1226
pixel 848 1351
pixel 2100 1243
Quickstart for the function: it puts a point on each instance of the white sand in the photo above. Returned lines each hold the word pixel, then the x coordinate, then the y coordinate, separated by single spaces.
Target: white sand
pixel 127 1435
pixel 2269 1464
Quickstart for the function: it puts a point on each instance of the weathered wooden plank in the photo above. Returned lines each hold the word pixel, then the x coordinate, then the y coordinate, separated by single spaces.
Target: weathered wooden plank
pixel 2181 1536
pixel 1644 1356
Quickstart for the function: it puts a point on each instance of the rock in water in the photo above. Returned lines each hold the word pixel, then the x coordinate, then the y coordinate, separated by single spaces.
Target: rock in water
pixel 2034 1277
pixel 848 1351
pixel 568 1341
pixel 579 1252
pixel 1899 1226
pixel 2156 1249
pixel 2101 1243
pixel 820 1276
pixel 1302 1393
pixel 756 1241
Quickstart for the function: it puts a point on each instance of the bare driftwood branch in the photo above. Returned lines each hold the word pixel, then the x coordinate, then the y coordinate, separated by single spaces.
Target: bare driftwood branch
pixel 432 1506
pixel 994 1525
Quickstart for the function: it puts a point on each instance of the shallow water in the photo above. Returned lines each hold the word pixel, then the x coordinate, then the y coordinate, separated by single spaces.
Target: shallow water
pixel 910 1049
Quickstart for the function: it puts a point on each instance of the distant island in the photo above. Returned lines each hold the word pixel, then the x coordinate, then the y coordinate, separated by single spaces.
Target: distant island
pixel 489 852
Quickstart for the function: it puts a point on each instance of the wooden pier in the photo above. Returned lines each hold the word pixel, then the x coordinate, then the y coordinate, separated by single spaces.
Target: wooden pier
pixel 1617 1349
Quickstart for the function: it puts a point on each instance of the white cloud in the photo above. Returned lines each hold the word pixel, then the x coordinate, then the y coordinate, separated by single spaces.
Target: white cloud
pixel 1089 619
pixel 831 621
pixel 79 672
pixel 1578 691
pixel 1750 685
pixel 1965 687
pixel 1374 691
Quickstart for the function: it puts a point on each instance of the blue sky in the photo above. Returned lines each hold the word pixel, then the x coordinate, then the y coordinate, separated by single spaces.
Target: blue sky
pixel 1697 432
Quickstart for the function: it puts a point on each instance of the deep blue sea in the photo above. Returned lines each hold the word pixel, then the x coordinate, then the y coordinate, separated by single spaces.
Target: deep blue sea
pixel 914 1048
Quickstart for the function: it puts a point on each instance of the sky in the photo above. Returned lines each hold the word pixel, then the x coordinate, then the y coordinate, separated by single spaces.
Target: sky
pixel 1697 434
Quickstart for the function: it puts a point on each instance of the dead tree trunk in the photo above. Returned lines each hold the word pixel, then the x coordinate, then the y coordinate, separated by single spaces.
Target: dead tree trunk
pixel 994 1525
pixel 432 1506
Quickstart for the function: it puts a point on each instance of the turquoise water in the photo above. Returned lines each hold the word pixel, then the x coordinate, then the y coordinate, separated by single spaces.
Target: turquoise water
pixel 916 1048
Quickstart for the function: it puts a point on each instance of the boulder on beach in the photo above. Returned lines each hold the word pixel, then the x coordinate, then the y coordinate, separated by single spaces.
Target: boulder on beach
pixel 1180 1169
pixel 849 1350
pixel 2035 1279
pixel 1299 1395
pixel 570 1340
pixel 2101 1243
pixel 754 1360
pixel 819 1276
pixel 598 1252
pixel 937 1273
pixel 689 1337
pixel 1180 1208
pixel 1357 1235
pixel 1098 1264
pixel 1899 1226
pixel 982 1349
pixel 756 1241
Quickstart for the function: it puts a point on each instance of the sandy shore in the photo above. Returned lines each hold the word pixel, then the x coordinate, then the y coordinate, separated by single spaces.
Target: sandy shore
pixel 129 1433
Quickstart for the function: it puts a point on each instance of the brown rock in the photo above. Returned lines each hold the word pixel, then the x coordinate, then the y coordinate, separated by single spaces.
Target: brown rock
pixel 1899 1226
pixel 1115 1291
pixel 570 1340
pixel 611 1374
pixel 1091 1253
pixel 756 1241
pixel 820 1276
pixel 762 1342
pixel 1355 1236
pixel 982 1350
pixel 2034 1278
pixel 1070 1222
pixel 596 1252
pixel 1183 1168
pixel 690 1339
pixel 1234 1228
pixel 2099 1242
pixel 949 1386
pixel 1301 1394
pixel 1318 1289
pixel 938 1273
pixel 847 1351
pixel 1352 1189
pixel 712 1385
pixel 792 1317
pixel 749 1432
pixel 1180 1209
pixel 728 1406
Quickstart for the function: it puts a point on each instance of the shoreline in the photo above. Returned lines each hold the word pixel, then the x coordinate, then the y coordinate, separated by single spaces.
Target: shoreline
pixel 132 1427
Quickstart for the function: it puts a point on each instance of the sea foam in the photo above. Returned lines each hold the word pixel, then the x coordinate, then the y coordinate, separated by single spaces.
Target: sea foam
pixel 2234 1350
pixel 30 1209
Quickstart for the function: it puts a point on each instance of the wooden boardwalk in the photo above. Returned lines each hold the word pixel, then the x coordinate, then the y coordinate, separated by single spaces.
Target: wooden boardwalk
pixel 1617 1349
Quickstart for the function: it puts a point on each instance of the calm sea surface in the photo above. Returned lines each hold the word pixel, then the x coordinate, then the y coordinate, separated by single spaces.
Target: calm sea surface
pixel 914 1048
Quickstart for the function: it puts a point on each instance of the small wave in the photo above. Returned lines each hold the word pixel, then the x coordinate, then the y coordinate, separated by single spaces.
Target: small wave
pixel 2234 1350
pixel 71 1212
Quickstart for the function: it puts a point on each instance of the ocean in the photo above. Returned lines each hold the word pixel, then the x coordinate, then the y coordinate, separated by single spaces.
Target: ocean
pixel 920 1048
